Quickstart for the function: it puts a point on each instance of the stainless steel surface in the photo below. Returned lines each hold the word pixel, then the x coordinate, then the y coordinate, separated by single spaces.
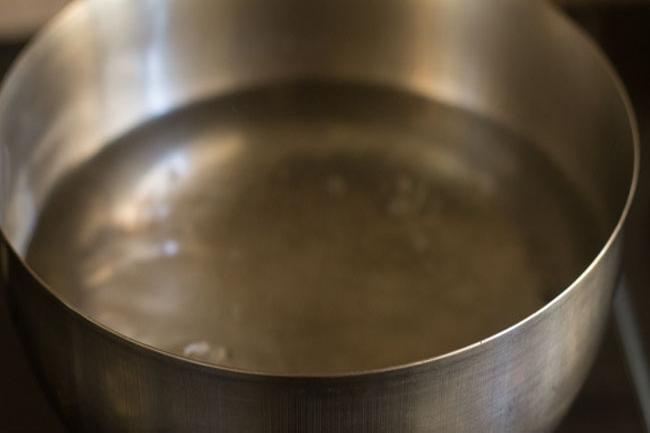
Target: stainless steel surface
pixel 341 199
pixel 634 346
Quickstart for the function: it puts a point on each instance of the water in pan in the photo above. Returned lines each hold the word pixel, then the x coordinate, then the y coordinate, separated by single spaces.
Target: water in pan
pixel 312 228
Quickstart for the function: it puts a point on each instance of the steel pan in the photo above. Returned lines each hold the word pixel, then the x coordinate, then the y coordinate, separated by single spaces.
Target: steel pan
pixel 325 216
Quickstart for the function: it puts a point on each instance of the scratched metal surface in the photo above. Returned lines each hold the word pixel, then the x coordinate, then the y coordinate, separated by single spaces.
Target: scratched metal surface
pixel 607 402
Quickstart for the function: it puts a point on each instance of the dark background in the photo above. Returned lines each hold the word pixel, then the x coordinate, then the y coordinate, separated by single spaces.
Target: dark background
pixel 608 402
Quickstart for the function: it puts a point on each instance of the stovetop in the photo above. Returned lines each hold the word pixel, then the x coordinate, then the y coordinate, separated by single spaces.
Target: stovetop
pixel 617 393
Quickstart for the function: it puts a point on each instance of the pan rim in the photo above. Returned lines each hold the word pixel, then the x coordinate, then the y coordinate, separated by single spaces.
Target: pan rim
pixel 77 6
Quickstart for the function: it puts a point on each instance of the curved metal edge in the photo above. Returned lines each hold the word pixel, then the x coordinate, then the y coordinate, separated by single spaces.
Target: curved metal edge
pixel 78 6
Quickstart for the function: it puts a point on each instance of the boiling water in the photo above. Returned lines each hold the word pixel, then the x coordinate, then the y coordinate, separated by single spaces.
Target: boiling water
pixel 312 228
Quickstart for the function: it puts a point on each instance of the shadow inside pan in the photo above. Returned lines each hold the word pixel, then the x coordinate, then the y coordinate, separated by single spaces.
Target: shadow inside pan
pixel 313 228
